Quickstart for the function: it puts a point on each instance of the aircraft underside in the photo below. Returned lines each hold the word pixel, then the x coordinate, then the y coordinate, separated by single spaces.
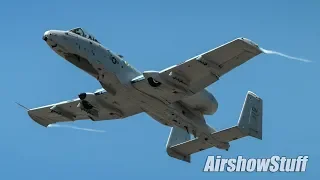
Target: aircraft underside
pixel 178 114
pixel 175 96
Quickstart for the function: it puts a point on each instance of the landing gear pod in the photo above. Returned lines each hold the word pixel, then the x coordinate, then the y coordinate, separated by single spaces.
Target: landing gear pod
pixel 153 78
pixel 153 82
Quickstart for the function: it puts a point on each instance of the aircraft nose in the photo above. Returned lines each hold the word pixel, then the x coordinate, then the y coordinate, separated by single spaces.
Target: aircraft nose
pixel 46 35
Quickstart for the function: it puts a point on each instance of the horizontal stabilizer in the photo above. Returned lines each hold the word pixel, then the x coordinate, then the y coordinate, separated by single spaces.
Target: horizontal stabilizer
pixel 250 124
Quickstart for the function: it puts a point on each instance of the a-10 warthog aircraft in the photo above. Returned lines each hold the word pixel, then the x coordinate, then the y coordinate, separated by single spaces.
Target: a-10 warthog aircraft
pixel 175 97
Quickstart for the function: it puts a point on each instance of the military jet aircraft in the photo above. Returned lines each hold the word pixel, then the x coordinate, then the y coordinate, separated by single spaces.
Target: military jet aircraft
pixel 175 97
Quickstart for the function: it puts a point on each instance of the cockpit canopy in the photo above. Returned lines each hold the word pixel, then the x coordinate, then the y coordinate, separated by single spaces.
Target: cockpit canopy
pixel 83 33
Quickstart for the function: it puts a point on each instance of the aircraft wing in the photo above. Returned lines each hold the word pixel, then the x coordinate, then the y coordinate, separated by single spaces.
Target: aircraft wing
pixel 195 74
pixel 96 106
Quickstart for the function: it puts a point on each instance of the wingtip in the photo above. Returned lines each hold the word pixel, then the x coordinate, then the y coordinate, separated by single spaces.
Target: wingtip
pixel 253 94
pixel 251 43
pixel 41 121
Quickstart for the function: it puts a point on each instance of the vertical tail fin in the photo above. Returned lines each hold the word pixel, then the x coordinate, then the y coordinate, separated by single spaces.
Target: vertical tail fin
pixel 177 136
pixel 250 120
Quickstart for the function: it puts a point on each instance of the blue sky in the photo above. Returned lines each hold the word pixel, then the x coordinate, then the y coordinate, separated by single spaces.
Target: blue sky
pixel 153 36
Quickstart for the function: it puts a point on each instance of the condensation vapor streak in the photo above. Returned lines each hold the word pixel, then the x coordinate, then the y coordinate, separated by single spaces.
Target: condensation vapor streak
pixel 74 127
pixel 284 55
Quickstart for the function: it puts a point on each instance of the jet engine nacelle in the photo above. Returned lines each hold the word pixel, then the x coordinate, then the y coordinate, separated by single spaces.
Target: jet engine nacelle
pixel 203 101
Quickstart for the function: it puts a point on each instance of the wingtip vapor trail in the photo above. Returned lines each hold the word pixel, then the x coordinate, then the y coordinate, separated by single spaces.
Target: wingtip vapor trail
pixel 285 55
pixel 75 127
